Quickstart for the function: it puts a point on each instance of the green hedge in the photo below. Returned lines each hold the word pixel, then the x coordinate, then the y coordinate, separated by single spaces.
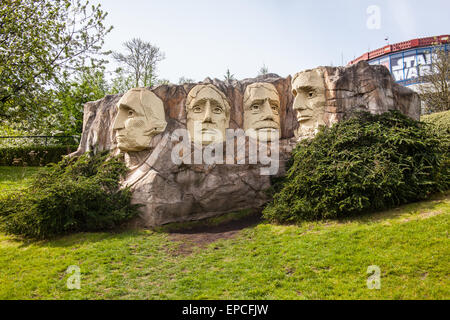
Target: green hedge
pixel 440 124
pixel 440 119
pixel 367 163
pixel 34 155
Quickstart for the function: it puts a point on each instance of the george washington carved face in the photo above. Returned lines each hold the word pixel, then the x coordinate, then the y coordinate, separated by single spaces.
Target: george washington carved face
pixel 139 118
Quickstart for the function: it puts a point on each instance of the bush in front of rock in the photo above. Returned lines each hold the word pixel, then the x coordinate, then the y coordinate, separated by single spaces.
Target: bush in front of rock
pixel 366 163
pixel 77 194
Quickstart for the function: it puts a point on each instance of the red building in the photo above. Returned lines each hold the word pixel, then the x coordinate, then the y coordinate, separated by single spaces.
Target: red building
pixel 407 60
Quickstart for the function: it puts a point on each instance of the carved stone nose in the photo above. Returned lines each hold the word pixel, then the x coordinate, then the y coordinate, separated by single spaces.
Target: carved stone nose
pixel 266 106
pixel 268 117
pixel 299 105
pixel 207 117
pixel 118 124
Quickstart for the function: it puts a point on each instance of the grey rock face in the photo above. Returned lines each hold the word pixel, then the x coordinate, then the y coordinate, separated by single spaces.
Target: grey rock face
pixel 172 192
pixel 362 87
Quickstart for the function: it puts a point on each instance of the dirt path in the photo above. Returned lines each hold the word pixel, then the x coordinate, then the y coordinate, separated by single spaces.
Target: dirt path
pixel 202 236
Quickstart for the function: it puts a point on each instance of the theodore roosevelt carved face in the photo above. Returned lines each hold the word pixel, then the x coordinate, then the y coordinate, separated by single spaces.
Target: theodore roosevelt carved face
pixel 208 114
pixel 308 88
pixel 261 109
pixel 139 118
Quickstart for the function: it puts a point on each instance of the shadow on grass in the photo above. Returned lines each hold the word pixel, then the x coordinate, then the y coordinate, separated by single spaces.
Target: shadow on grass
pixel 225 226
pixel 199 232
pixel 233 221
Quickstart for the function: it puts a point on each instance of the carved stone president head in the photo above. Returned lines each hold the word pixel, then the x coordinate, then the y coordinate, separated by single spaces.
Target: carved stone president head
pixel 208 114
pixel 139 118
pixel 308 88
pixel 261 108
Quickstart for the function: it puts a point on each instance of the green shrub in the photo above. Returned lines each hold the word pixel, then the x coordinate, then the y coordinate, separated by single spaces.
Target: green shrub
pixel 33 155
pixel 79 194
pixel 367 163
pixel 440 119
pixel 440 124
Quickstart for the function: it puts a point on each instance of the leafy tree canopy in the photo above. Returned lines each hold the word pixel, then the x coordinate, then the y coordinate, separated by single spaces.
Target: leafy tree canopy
pixel 40 41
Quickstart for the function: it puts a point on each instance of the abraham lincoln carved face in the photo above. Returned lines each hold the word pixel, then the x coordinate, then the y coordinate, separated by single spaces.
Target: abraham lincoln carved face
pixel 308 88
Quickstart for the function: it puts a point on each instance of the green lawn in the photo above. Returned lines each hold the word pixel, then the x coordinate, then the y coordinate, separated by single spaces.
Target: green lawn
pixel 15 178
pixel 324 260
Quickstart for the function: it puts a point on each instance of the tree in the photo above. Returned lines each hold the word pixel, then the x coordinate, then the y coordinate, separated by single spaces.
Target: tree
pixel 66 111
pixel 140 61
pixel 184 80
pixel 162 81
pixel 39 41
pixel 122 82
pixel 228 76
pixel 434 90
pixel 263 71
pixel 60 112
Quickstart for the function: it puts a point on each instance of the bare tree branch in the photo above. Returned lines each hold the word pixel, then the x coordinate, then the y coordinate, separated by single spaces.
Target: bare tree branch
pixel 434 90
pixel 140 60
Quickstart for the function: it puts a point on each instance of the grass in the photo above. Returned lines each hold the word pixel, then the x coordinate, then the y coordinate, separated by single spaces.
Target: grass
pixel 16 178
pixel 321 260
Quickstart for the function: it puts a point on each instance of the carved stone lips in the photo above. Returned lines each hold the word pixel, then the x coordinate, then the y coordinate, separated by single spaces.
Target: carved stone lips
pixel 210 131
pixel 121 137
pixel 303 117
pixel 266 124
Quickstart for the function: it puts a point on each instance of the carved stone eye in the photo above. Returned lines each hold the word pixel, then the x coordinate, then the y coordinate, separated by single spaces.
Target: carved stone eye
pixel 254 107
pixel 197 109
pixel 217 110
pixel 274 109
pixel 130 113
pixel 311 94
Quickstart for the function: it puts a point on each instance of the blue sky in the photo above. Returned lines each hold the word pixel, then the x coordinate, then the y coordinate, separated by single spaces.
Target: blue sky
pixel 203 38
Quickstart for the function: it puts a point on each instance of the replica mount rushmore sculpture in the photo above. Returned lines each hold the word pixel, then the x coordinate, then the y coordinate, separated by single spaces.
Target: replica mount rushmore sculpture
pixel 200 150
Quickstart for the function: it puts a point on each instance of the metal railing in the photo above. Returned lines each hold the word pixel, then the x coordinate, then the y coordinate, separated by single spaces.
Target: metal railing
pixel 45 139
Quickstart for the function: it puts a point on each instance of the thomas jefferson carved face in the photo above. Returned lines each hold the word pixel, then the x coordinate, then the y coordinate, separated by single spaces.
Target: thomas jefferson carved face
pixel 140 117
pixel 308 88
pixel 208 114
pixel 261 108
